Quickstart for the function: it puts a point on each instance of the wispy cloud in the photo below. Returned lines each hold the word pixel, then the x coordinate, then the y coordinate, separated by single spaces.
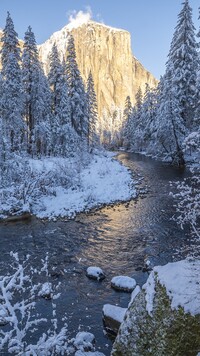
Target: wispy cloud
pixel 77 18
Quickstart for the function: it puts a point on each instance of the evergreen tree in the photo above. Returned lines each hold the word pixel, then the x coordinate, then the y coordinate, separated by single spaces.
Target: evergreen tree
pixel 135 136
pixel 42 109
pixel 55 78
pixel 197 114
pixel 93 135
pixel 127 116
pixel 170 124
pixel 62 132
pixel 11 105
pixel 36 91
pixel 78 102
pixel 183 63
pixel 149 110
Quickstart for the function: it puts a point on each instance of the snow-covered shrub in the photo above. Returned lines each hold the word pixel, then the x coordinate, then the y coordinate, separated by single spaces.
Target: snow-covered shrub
pixel 188 195
pixel 19 320
pixel 188 203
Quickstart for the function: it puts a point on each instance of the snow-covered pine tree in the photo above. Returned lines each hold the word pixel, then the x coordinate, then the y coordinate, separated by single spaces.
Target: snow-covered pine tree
pixel 55 81
pixel 183 60
pixel 135 135
pixel 68 137
pixel 93 134
pixel 127 116
pixel 197 113
pixel 11 102
pixel 170 124
pixel 55 78
pixel 36 92
pixel 64 137
pixel 42 109
pixel 148 115
pixel 77 94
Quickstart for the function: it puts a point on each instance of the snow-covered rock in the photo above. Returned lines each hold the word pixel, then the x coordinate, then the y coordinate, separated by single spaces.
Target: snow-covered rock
pixel 123 283
pixel 95 273
pixel 84 341
pixel 113 317
pixel 46 291
pixel 164 317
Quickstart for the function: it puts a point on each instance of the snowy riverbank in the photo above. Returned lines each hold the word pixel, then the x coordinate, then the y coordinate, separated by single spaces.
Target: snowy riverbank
pixel 102 181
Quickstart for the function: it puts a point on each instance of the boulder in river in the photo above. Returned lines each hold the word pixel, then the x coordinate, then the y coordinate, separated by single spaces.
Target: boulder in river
pixel 164 317
pixel 123 283
pixel 112 318
pixel 95 273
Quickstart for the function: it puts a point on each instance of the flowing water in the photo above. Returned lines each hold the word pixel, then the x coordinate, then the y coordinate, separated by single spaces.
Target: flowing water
pixel 117 238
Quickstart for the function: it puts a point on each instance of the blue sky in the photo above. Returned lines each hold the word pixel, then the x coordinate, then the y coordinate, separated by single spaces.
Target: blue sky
pixel 150 22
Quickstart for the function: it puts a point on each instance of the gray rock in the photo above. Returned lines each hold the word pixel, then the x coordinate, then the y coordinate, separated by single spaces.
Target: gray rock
pixel 152 327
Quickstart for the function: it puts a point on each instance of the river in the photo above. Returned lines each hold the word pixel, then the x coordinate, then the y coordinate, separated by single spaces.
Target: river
pixel 117 238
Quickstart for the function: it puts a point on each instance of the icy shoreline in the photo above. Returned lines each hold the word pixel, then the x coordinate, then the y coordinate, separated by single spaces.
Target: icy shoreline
pixel 103 181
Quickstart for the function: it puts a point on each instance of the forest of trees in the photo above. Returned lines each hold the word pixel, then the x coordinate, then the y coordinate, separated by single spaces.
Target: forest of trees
pixel 39 115
pixel 42 116
pixel 165 118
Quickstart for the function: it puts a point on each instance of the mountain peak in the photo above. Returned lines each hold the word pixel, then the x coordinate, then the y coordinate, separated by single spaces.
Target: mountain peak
pixel 106 51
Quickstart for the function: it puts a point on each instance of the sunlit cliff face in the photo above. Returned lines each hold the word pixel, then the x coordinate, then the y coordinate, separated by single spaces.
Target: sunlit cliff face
pixel 106 51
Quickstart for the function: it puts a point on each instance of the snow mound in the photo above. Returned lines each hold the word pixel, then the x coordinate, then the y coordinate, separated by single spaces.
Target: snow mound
pixel 84 341
pixel 114 312
pixel 182 283
pixel 95 273
pixel 46 291
pixel 123 283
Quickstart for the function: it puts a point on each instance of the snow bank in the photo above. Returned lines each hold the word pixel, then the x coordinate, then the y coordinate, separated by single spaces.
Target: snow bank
pixel 182 283
pixel 104 181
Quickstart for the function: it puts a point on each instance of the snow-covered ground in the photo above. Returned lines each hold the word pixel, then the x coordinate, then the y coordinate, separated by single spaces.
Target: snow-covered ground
pixel 57 187
pixel 104 181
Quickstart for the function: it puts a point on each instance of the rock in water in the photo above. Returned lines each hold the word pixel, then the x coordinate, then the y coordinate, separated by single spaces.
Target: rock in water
pixel 95 273
pixel 113 317
pixel 164 317
pixel 123 283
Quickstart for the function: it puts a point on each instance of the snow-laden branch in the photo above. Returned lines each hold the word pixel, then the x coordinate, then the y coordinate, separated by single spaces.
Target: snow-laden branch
pixel 18 317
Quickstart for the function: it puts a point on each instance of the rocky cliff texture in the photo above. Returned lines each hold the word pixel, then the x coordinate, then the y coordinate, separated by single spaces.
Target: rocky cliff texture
pixel 107 53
